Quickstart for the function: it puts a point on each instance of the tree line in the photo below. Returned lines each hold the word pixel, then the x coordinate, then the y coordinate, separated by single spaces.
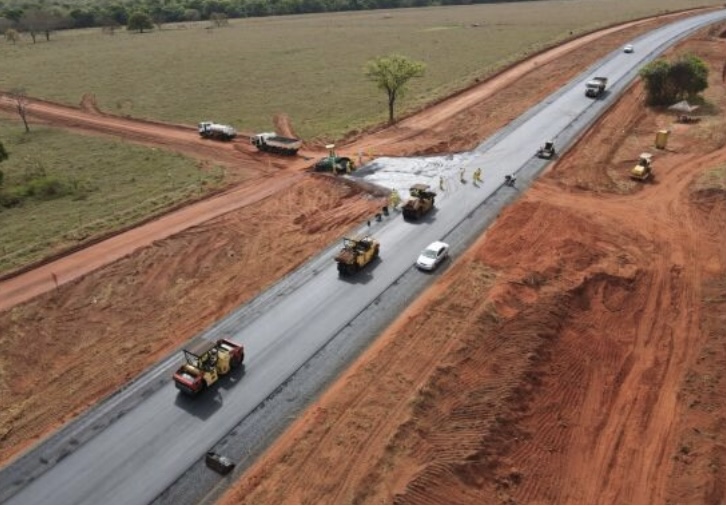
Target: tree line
pixel 667 82
pixel 44 17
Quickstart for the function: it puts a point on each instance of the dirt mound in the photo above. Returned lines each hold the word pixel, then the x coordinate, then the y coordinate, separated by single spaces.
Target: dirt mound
pixel 283 125
pixel 89 103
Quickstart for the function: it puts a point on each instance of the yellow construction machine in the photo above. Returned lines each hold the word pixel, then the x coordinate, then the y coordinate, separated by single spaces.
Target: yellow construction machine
pixel 643 170
pixel 205 363
pixel 356 253
pixel 421 202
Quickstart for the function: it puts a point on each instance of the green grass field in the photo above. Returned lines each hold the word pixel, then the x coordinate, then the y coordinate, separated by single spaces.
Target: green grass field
pixel 310 67
pixel 116 184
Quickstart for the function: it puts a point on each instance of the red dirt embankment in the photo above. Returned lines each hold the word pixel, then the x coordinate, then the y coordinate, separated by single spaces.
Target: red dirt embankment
pixel 574 355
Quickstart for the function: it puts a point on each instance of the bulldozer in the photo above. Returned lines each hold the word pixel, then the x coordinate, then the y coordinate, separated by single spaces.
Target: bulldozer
pixel 547 151
pixel 643 170
pixel 420 203
pixel 356 253
pixel 205 363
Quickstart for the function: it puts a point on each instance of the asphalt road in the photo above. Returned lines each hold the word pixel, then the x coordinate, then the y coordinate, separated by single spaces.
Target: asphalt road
pixel 134 450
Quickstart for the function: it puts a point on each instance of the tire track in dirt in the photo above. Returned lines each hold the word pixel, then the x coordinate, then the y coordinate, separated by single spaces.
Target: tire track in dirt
pixel 699 454
pixel 649 371
pixel 470 458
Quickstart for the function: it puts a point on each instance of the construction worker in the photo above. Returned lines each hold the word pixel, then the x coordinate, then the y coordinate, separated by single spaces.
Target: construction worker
pixel 394 199
pixel 477 176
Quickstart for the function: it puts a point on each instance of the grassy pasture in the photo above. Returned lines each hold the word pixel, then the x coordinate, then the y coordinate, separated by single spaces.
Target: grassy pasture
pixel 308 66
pixel 122 184
pixel 714 179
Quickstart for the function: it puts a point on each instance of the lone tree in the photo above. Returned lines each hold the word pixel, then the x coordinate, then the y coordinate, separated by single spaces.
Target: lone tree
pixel 20 98
pixel 690 76
pixel 140 21
pixel 391 73
pixel 667 82
pixel 218 19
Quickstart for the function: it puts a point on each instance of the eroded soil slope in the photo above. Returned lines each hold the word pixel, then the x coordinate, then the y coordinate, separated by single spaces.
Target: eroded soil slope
pixel 574 355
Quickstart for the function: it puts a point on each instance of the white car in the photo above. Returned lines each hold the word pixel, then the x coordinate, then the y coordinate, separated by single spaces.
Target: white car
pixel 432 256
pixel 628 49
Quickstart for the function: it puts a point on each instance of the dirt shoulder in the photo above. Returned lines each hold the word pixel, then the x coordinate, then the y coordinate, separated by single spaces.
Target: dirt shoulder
pixel 573 355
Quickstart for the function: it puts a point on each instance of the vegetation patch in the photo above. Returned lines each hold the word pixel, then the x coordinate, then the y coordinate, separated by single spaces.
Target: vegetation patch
pixel 59 189
pixel 666 82
pixel 34 183
pixel 714 179
pixel 244 73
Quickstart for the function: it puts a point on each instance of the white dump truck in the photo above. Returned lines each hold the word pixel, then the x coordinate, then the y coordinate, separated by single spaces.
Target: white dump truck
pixel 273 143
pixel 596 86
pixel 211 130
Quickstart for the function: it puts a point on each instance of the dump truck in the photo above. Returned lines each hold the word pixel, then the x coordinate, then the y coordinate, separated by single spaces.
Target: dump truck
pixel 205 363
pixel 547 151
pixel 596 86
pixel 273 143
pixel 357 252
pixel 643 170
pixel 211 130
pixel 420 203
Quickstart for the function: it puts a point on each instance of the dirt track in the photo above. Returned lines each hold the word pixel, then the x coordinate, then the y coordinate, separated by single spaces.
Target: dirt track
pixel 585 367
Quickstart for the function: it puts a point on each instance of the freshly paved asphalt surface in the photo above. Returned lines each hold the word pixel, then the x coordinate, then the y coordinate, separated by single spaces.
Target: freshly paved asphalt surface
pixel 135 447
